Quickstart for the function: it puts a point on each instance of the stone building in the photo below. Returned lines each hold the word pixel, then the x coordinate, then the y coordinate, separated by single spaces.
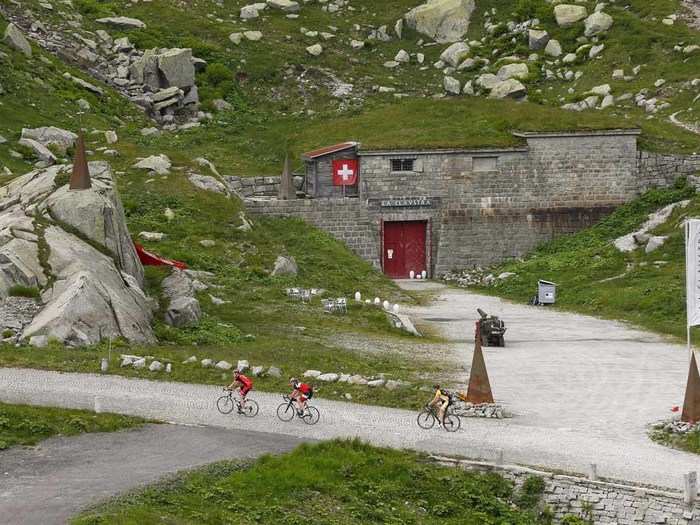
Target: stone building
pixel 439 210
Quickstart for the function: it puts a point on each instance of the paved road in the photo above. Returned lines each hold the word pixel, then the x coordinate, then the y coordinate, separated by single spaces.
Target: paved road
pixel 50 483
pixel 582 390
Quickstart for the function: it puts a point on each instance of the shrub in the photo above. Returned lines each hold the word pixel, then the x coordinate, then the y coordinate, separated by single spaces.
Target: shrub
pixel 19 290
pixel 217 73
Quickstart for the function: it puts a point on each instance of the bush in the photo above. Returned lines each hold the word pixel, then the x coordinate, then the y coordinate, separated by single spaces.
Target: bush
pixel 19 290
pixel 217 73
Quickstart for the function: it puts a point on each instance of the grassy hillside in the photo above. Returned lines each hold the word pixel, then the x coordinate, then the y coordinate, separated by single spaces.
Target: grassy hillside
pixel 281 96
pixel 27 425
pixel 595 278
pixel 338 482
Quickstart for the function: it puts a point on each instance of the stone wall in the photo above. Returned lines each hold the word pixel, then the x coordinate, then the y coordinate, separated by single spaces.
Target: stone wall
pixel 606 503
pixel 254 186
pixel 346 219
pixel 657 170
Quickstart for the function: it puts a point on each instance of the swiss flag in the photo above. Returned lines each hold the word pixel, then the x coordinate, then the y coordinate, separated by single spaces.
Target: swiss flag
pixel 345 172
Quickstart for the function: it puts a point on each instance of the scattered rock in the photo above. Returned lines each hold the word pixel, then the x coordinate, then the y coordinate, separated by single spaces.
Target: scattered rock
pixel 376 383
pixel 567 14
pixel 452 85
pixel 357 380
pixel 312 373
pixel 14 38
pixel 315 50
pixel 455 54
pixel 43 153
pixel 155 366
pixel 285 266
pixel 223 365
pixel 207 363
pixel 242 365
pixel 253 36
pixel 287 6
pixel 152 236
pixel 183 312
pixel 328 378
pixel 257 371
pixel 207 183
pixel 273 371
pixel 537 39
pixel 191 359
pixel 159 164
pixel 597 23
pixel 553 48
pixel 519 71
pixel 655 242
pixel 139 363
pixel 510 88
pixel 122 22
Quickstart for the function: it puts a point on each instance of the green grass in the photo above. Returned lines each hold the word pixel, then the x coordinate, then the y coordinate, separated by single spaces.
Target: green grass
pixel 646 292
pixel 27 425
pixel 19 290
pixel 690 442
pixel 333 483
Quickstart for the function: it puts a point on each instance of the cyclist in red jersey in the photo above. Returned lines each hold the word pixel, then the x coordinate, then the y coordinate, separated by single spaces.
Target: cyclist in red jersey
pixel 245 383
pixel 302 393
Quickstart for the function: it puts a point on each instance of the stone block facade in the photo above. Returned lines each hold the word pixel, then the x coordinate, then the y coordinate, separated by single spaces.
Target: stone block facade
pixel 344 219
pixel 483 206
pixel 602 502
pixel 658 170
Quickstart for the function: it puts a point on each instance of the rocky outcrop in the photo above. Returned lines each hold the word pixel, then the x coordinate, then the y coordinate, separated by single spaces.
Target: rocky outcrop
pixel 58 138
pixel 75 249
pixel 285 266
pixel 441 20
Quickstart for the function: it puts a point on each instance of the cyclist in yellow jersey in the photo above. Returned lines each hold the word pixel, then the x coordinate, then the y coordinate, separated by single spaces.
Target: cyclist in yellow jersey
pixel 442 399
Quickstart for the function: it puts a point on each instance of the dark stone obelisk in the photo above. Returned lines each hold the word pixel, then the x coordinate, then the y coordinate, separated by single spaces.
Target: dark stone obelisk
pixel 80 178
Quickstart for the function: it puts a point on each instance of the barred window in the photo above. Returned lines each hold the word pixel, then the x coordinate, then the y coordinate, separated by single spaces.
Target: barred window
pixel 402 164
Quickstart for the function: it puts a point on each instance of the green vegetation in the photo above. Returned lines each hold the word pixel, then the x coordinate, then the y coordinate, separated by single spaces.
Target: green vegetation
pixel 337 482
pixel 27 425
pixel 689 442
pixel 595 278
pixel 23 291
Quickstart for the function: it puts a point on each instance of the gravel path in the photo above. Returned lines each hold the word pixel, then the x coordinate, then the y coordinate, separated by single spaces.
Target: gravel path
pixel 57 479
pixel 582 390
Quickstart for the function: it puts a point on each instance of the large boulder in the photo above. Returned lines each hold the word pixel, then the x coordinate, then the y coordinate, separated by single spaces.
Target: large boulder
pixel 59 138
pixel 537 39
pixel 99 216
pixel 442 20
pixel 183 308
pixel 14 38
pixel 43 153
pixel 145 70
pixel 159 164
pixel 176 67
pixel 567 14
pixel 597 23
pixel 86 270
pixel 90 299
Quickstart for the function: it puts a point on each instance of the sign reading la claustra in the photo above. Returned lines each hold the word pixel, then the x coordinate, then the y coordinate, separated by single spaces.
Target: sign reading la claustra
pixel 407 202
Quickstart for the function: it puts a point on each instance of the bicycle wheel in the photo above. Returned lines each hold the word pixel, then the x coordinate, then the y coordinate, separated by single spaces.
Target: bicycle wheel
pixel 286 412
pixel 250 409
pixel 426 420
pixel 452 422
pixel 311 415
pixel 225 404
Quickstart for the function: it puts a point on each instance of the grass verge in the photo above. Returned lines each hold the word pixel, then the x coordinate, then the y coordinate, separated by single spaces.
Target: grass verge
pixel 690 442
pixel 338 483
pixel 27 425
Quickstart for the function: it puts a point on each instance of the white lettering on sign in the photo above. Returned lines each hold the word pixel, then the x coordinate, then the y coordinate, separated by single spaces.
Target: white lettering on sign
pixel 414 202
pixel 346 172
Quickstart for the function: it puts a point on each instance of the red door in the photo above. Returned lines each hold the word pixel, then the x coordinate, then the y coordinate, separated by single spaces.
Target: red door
pixel 404 248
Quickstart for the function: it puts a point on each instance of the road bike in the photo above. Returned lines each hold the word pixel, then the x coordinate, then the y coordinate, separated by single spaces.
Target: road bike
pixel 429 416
pixel 287 410
pixel 226 404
